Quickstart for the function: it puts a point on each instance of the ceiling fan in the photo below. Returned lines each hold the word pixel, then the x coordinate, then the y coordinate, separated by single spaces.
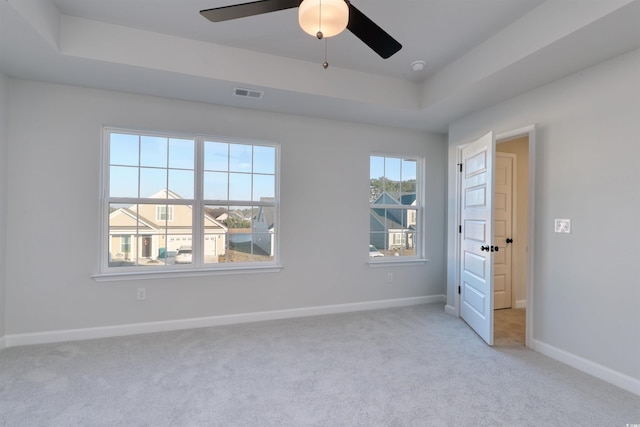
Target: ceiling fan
pixel 320 18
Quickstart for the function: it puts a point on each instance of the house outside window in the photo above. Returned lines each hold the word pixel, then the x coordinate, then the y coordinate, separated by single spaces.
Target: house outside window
pixel 395 208
pixel 165 194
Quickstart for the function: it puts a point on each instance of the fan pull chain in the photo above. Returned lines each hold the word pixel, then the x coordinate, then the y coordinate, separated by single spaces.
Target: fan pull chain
pixel 325 64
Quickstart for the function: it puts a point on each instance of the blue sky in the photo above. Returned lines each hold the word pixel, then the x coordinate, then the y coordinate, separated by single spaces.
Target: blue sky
pixel 393 168
pixel 236 171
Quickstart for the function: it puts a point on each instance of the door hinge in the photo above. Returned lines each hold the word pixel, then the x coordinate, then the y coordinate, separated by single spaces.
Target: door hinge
pixel 460 166
pixel 460 229
pixel 459 290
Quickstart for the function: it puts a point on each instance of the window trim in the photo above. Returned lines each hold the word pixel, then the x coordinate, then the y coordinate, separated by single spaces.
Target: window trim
pixel 198 203
pixel 420 242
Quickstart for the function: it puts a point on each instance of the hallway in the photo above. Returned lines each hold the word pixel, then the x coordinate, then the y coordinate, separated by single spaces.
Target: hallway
pixel 509 327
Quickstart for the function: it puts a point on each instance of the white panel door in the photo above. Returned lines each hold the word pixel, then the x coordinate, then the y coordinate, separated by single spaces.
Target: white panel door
pixel 502 230
pixel 476 249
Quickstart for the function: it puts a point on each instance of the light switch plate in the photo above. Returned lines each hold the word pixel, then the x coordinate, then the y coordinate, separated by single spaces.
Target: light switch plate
pixel 563 226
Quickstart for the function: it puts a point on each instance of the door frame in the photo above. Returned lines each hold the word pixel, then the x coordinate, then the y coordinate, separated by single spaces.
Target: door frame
pixel 454 217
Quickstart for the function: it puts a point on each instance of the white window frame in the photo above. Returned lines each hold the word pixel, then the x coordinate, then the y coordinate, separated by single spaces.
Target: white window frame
pixel 198 267
pixel 419 237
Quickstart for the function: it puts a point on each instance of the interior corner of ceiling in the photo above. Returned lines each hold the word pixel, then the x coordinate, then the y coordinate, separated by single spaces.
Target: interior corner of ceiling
pixel 559 20
pixel 43 17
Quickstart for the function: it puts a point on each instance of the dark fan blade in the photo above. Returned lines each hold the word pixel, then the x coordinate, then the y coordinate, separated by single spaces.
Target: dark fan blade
pixel 371 34
pixel 234 11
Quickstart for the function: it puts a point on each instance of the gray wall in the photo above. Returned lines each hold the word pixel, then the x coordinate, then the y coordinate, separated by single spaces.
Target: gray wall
pixel 53 212
pixel 4 119
pixel 586 285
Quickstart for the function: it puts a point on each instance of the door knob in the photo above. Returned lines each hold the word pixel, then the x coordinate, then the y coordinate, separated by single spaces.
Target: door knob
pixel 509 240
pixel 485 248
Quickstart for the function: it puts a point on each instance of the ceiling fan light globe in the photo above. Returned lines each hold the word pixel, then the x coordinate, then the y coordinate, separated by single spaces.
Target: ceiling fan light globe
pixel 331 20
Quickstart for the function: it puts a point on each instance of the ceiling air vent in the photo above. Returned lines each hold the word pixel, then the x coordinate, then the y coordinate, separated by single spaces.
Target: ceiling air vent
pixel 247 93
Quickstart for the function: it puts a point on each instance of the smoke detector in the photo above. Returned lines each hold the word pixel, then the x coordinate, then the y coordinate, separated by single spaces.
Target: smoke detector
pixel 417 65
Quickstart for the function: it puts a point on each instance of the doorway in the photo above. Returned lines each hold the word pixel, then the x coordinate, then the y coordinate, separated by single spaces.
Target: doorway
pixel 146 247
pixel 471 239
pixel 511 224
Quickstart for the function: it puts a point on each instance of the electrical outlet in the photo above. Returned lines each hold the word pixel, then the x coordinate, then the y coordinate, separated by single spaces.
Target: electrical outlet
pixel 562 226
pixel 142 294
pixel 389 277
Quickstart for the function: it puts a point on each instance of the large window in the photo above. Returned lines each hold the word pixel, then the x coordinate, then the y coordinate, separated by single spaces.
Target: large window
pixel 180 202
pixel 395 208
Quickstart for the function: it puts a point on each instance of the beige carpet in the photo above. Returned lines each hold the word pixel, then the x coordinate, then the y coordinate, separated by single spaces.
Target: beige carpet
pixel 413 366
pixel 509 327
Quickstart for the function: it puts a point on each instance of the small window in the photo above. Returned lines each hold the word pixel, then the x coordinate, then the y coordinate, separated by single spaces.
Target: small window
pixel 188 202
pixel 164 213
pixel 125 245
pixel 395 208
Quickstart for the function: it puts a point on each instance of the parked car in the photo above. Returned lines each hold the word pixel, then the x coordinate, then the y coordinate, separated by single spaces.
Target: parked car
pixel 183 256
pixel 373 252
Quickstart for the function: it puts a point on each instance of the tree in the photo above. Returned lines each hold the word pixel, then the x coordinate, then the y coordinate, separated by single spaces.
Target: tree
pixel 394 188
pixel 235 222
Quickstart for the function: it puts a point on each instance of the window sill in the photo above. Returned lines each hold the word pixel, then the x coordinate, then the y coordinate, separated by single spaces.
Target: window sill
pixel 167 274
pixel 397 262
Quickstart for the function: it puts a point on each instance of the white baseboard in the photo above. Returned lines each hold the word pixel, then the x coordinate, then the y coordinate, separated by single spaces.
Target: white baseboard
pixel 202 322
pixel 602 372
pixel 449 309
pixel 522 303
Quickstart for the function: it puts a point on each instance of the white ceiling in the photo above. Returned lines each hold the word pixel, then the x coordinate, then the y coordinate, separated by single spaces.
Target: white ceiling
pixel 424 28
pixel 477 52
